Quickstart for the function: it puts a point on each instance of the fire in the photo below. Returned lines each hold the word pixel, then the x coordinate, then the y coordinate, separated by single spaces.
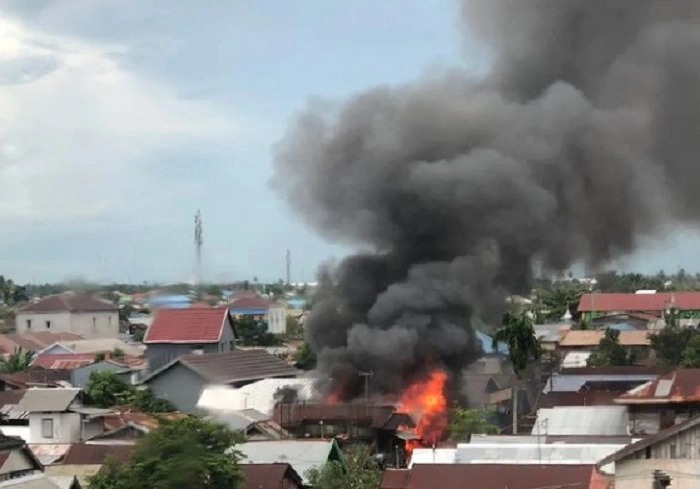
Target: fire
pixel 425 402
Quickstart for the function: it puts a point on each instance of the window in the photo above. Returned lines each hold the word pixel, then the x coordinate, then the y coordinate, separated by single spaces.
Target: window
pixel 48 324
pixel 647 452
pixel 47 428
pixel 673 451
pixel 29 324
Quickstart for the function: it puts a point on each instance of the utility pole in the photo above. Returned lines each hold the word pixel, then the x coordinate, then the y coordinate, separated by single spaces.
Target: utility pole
pixel 367 376
pixel 198 240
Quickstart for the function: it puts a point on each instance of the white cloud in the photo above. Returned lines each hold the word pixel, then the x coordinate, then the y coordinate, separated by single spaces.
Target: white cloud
pixel 77 130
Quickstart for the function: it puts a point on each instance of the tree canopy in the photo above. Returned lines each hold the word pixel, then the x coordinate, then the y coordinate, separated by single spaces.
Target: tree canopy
pixel 610 352
pixel 467 422
pixel 188 452
pixel 518 333
pixel 361 471
pixel 305 357
pixel 105 389
pixel 253 332
pixel 18 361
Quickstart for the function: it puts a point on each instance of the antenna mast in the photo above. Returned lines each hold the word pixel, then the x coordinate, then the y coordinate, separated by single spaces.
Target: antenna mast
pixel 198 240
pixel 289 267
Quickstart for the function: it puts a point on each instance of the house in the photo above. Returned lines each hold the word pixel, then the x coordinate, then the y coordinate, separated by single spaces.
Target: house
pixel 83 460
pixel 33 342
pixel 260 308
pixel 490 476
pixel 182 380
pixel 252 424
pixel 636 341
pixel 302 455
pixel 270 476
pixel 176 332
pixel 79 314
pixel 663 402
pixel 674 452
pixel 597 304
pixel 80 376
pixel 57 416
pixel 488 384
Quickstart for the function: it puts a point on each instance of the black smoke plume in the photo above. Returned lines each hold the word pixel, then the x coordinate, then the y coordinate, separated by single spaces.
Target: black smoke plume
pixel 582 138
pixel 286 395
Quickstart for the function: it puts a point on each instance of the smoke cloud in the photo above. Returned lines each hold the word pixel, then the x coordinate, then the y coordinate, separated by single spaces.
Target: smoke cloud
pixel 581 139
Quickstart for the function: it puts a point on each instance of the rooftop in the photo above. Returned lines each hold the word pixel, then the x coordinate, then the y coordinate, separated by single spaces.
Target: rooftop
pixel 577 337
pixel 232 366
pixel 252 302
pixel 47 400
pixel 679 386
pixel 33 341
pixel 269 476
pixel 639 302
pixel 96 454
pixel 70 302
pixel 187 326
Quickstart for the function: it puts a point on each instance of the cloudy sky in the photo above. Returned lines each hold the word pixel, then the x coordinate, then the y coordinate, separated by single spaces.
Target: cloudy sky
pixel 120 118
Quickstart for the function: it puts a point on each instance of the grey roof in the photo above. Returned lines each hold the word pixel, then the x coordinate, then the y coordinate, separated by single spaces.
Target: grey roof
pixel 92 412
pixel 573 383
pixel 232 366
pixel 47 400
pixel 63 481
pixel 302 455
pixel 37 481
pixel 582 420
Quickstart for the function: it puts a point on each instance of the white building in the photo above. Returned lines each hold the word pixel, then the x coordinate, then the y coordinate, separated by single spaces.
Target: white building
pixel 83 315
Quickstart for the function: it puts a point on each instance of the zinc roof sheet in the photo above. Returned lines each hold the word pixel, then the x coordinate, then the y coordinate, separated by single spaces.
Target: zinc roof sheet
pixel 302 455
pixel 582 420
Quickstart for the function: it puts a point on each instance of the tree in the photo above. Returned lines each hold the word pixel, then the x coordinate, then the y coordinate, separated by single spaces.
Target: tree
pixel 610 352
pixel 105 389
pixel 468 422
pixel 139 334
pixel 117 353
pixel 295 329
pixel 690 357
pixel 215 290
pixel 668 343
pixel 305 357
pixel 361 471
pixel 519 334
pixel 253 332
pixel 18 361
pixel 562 297
pixel 188 452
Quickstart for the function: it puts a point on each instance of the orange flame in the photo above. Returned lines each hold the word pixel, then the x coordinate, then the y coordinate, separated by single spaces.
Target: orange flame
pixel 425 402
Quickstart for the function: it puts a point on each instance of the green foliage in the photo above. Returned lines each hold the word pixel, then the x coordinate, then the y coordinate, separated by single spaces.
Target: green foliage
pixel 669 343
pixel 214 290
pixel 100 356
pixel 611 281
pixel 252 332
pixel 609 352
pixel 361 471
pixel 139 334
pixel 186 453
pixel 118 353
pixel 690 357
pixel 105 389
pixel 18 361
pixel 466 422
pixel 305 357
pixel 554 301
pixel 294 328
pixel 518 333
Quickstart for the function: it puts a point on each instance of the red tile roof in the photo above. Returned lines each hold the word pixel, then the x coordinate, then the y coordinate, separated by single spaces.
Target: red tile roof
pixel 269 476
pixel 252 302
pixel 96 454
pixel 71 361
pixel 499 476
pixel 70 302
pixel 679 386
pixel 639 302
pixel 187 326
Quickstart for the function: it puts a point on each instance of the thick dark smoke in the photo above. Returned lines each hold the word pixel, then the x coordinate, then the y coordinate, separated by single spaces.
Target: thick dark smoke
pixel 583 138
pixel 286 395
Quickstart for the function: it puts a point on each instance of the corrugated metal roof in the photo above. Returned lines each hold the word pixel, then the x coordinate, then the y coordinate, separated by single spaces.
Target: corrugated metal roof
pixel 430 456
pixel 582 420
pixel 576 359
pixel 487 345
pixel 565 382
pixel 614 302
pixel 678 386
pixel 36 481
pixel 591 338
pixel 47 400
pixel 302 455
pixel 49 453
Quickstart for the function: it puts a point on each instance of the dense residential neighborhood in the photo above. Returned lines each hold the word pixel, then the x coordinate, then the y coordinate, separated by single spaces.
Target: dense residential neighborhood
pixel 605 399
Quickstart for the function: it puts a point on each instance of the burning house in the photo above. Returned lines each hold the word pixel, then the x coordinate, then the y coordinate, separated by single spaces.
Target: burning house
pixel 580 141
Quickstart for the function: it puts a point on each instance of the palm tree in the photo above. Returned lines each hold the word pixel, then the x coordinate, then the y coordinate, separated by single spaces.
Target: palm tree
pixel 18 361
pixel 518 333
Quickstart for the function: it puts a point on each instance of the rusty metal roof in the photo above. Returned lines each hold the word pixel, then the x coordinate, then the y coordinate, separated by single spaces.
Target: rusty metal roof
pixel 395 479
pixel 269 476
pixel 679 386
pixel 498 476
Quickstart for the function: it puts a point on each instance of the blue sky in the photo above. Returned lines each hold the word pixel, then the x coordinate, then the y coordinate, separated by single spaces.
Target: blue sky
pixel 119 118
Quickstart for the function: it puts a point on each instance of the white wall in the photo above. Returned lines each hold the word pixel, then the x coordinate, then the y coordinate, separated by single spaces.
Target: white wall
pixel 66 427
pixel 637 473
pixel 277 320
pixel 60 321
pixel 88 325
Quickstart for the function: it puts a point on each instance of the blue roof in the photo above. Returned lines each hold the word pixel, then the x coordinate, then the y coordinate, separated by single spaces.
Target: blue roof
pixel 248 311
pixel 487 345
pixel 621 326
pixel 170 299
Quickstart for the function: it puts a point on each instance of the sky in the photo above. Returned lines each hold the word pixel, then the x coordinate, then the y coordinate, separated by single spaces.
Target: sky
pixel 120 118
